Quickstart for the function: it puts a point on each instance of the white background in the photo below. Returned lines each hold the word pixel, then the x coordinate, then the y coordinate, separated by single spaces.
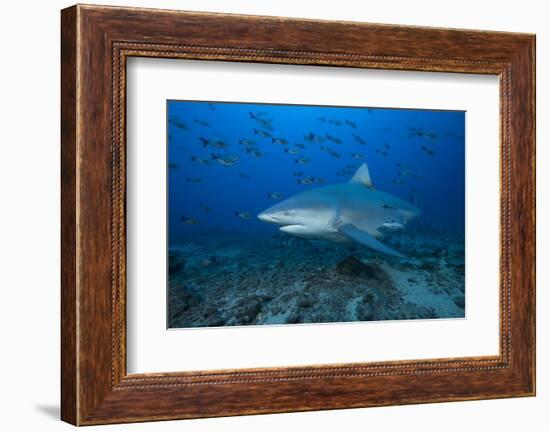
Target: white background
pixel 29 216
pixel 151 348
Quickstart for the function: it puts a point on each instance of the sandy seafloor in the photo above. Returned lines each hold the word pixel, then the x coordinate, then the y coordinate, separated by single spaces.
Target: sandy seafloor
pixel 279 279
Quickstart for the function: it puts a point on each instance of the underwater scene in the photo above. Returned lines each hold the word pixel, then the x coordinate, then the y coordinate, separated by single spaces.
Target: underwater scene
pixel 293 214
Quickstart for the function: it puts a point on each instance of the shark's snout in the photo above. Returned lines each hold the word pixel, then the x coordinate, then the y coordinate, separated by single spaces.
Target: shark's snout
pixel 266 217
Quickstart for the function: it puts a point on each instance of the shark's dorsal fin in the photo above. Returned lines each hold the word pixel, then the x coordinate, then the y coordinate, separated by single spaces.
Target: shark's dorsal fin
pixel 362 176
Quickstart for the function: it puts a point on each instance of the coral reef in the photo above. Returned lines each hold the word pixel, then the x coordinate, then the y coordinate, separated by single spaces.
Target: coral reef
pixel 261 280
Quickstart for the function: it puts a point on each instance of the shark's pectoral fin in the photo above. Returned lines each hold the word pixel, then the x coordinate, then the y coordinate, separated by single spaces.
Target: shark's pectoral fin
pixel 364 238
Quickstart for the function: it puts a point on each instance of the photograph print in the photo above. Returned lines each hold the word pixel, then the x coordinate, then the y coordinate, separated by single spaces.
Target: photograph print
pixel 300 214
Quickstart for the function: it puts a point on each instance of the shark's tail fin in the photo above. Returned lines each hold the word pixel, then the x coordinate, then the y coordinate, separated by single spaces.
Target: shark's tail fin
pixel 414 198
pixel 204 141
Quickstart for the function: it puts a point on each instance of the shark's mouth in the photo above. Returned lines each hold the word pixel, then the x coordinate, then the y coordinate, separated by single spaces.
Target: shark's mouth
pixel 295 229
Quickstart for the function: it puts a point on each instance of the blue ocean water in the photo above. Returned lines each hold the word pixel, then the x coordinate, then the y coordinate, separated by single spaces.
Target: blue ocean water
pixel 230 161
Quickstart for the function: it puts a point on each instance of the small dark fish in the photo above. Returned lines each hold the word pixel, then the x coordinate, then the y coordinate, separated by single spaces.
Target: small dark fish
pixel 416 132
pixel 303 160
pixel 388 207
pixel 275 195
pixel 398 181
pixel 244 176
pixel 344 173
pixel 333 139
pixel 189 220
pixel 199 160
pixel 259 118
pixel 359 139
pixel 218 143
pixel 193 180
pixel 369 110
pixel 254 152
pixel 211 106
pixel 247 142
pixel 262 133
pixel 310 180
pixel 173 166
pixel 357 156
pixel 322 119
pixel 428 151
pixel 386 145
pixel 297 174
pixel 292 151
pixel 258 115
pixel 306 181
pixel 334 154
pixel 313 138
pixel 244 215
pixel 382 152
pixel 351 124
pixel 418 177
pixel 266 126
pixel 280 141
pixel 178 123
pixel 421 133
pixel 402 165
pixel 302 146
pixel 205 207
pixel 392 226
pixel 226 160
pixel 335 122
pixel 202 122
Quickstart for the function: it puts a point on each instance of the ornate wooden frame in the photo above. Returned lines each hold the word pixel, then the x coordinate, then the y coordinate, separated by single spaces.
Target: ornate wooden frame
pixel 95 42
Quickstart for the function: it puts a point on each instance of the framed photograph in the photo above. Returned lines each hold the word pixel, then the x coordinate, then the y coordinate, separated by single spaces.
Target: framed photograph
pixel 302 171
pixel 318 215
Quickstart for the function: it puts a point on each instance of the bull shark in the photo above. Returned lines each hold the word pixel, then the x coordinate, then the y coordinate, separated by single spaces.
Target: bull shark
pixel 350 212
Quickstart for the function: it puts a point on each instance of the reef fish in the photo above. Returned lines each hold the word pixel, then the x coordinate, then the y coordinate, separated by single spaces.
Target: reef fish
pixel 244 215
pixel 275 195
pixel 202 122
pixel 218 143
pixel 226 161
pixel 350 212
